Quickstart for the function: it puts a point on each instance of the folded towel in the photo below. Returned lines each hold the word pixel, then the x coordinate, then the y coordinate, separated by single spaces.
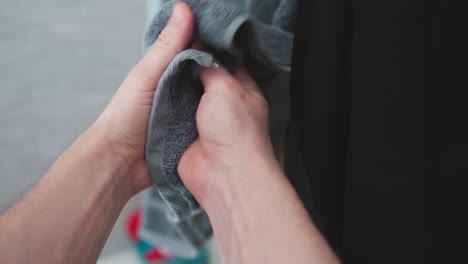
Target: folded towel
pixel 234 38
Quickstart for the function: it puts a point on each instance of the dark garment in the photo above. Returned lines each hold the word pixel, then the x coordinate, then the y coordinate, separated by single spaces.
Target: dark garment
pixel 377 146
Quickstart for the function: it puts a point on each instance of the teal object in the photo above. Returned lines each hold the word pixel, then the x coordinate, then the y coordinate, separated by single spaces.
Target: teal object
pixel 142 247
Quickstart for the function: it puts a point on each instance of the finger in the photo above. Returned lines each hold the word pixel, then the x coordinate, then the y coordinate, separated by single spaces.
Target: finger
pixel 217 78
pixel 173 39
pixel 246 80
pixel 191 162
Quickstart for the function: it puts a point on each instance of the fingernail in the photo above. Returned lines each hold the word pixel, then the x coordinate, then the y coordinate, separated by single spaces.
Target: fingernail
pixel 176 16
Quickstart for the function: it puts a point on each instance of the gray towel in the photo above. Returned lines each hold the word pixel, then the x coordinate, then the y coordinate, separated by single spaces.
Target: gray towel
pixel 235 39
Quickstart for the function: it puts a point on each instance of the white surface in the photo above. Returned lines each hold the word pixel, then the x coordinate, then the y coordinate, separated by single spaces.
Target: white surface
pixel 213 253
pixel 126 256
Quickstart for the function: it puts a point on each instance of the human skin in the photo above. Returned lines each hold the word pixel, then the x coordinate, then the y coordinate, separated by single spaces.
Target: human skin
pixel 231 170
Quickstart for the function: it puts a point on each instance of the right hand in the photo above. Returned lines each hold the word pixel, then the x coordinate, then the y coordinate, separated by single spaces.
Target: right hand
pixel 232 121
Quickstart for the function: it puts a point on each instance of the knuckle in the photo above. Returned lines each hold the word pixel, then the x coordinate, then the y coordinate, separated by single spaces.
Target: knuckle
pixel 222 84
pixel 247 82
pixel 221 81
pixel 262 104
pixel 243 95
pixel 164 41
pixel 260 100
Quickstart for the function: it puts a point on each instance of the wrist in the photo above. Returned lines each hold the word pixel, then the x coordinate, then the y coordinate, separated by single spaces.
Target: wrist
pixel 231 189
pixel 127 155
pixel 96 160
pixel 117 163
pixel 239 207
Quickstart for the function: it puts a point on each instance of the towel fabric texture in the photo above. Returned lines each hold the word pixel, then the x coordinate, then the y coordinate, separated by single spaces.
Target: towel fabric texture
pixel 238 33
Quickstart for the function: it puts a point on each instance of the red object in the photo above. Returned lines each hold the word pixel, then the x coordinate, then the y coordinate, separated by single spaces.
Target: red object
pixel 133 225
pixel 154 255
pixel 151 255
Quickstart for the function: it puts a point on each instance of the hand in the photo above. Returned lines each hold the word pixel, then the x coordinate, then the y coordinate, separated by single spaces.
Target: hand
pixel 255 213
pixel 125 120
pixel 232 122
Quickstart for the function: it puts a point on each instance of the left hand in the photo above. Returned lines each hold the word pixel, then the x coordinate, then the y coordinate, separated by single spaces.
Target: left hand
pixel 125 120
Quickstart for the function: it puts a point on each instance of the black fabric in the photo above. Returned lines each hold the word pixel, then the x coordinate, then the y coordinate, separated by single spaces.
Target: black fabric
pixel 377 146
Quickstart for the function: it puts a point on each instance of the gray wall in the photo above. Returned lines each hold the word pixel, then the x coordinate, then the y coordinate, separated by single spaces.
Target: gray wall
pixel 60 63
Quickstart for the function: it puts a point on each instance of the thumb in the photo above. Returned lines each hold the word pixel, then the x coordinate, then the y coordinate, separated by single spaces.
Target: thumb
pixel 173 39
pixel 191 165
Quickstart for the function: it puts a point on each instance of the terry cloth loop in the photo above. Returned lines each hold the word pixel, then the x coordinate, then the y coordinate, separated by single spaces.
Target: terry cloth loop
pixel 235 39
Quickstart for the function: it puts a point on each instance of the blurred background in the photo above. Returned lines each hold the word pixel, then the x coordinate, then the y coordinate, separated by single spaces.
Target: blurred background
pixel 60 63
